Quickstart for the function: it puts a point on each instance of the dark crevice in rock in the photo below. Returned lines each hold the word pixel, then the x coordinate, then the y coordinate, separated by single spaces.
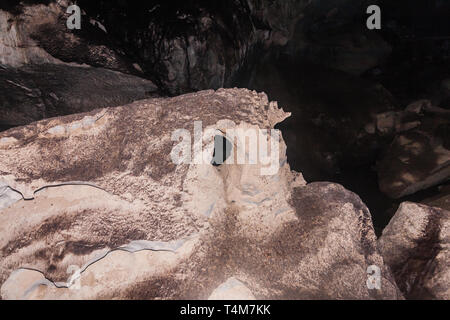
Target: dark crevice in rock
pixel 222 150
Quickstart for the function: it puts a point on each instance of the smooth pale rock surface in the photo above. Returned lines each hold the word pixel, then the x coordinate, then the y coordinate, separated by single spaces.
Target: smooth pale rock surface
pixel 232 289
pixel 415 245
pixel 103 276
pixel 104 180
pixel 8 196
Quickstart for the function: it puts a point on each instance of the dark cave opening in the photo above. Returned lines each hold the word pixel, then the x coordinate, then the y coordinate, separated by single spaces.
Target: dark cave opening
pixel 325 159
pixel 222 150
pixel 329 106
pixel 325 153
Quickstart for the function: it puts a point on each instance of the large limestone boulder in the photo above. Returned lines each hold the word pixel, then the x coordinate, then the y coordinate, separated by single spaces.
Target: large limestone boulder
pixel 415 245
pixel 41 91
pixel 93 206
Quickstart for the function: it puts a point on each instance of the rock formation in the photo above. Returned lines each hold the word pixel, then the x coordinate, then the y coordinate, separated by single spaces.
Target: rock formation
pixel 41 91
pixel 93 207
pixel 415 245
pixel 419 156
pixel 109 188
pixel 188 46
pixel 38 34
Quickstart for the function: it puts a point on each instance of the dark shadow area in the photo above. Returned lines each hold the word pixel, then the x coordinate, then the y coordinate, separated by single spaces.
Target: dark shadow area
pixel 222 150
pixel 326 135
